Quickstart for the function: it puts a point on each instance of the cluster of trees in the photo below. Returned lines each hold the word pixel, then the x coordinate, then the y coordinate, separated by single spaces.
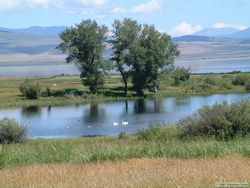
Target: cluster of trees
pixel 139 52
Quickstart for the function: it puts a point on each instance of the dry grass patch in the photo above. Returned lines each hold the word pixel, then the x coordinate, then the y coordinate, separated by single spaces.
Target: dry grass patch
pixel 161 172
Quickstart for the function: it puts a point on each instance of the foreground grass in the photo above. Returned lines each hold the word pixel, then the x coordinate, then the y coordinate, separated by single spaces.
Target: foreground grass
pixel 164 143
pixel 160 172
pixel 112 90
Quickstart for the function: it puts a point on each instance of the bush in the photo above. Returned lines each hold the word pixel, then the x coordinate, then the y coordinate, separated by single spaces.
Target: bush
pixel 30 89
pixel 222 121
pixel 175 75
pixel 227 85
pixel 240 80
pixel 247 86
pixel 180 75
pixel 209 80
pixel 11 132
pixel 197 87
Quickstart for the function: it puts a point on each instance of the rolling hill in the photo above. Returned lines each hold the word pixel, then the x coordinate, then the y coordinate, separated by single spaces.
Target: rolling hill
pixel 241 34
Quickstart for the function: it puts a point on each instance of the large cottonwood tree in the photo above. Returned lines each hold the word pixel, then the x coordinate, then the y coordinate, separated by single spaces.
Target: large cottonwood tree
pixel 84 44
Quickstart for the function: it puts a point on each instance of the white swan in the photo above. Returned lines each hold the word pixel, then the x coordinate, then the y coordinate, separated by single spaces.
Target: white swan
pixel 124 122
pixel 115 123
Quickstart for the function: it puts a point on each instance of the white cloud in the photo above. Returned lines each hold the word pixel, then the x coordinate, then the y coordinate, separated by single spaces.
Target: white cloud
pixel 148 7
pixel 42 3
pixel 119 10
pixel 92 2
pixel 9 5
pixel 235 26
pixel 184 29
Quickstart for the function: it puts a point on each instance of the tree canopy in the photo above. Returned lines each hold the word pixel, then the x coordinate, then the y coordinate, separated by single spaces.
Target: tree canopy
pixel 85 44
pixel 141 52
pixel 124 34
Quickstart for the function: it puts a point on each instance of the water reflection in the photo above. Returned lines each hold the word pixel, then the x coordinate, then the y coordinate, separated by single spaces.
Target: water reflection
pixel 148 106
pixel 31 111
pixel 95 113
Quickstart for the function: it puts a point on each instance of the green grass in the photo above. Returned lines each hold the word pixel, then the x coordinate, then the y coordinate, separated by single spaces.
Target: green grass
pixel 113 89
pixel 164 142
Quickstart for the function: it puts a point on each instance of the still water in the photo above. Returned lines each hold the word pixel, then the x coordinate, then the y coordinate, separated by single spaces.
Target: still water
pixel 99 118
pixel 216 65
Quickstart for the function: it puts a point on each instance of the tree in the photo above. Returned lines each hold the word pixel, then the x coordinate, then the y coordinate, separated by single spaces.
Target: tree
pixel 123 35
pixel 148 56
pixel 85 45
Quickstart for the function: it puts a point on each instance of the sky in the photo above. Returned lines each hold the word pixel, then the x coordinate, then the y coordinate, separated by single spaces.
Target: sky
pixel 176 17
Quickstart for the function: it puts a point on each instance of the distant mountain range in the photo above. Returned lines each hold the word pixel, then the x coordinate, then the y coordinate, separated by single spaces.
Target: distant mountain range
pixel 217 32
pixel 206 34
pixel 224 33
pixel 52 30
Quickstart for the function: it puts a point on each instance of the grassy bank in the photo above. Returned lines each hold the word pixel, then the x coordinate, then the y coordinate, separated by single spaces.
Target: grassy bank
pixel 163 143
pixel 113 89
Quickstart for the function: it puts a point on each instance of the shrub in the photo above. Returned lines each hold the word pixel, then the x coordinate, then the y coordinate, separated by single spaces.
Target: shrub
pixel 30 89
pixel 180 75
pixel 227 85
pixel 247 86
pixel 240 80
pixel 197 87
pixel 222 121
pixel 175 75
pixel 209 80
pixel 11 132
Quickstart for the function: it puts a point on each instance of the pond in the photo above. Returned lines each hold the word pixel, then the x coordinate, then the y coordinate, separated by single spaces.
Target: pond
pixel 105 118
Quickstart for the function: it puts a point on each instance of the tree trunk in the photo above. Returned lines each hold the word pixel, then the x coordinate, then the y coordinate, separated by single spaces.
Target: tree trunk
pixel 125 87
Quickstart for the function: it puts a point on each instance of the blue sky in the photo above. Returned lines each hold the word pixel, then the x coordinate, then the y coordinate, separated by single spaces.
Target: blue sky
pixel 176 17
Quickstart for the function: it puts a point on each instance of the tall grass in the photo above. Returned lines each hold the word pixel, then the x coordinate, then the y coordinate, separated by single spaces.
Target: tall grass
pixel 156 142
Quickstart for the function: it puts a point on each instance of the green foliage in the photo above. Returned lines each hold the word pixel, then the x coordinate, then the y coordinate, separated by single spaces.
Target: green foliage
pixel 124 34
pixel 240 80
pixel 175 75
pixel 141 52
pixel 210 80
pixel 197 86
pixel 30 89
pixel 148 56
pixel 226 85
pixel 85 45
pixel 223 121
pixel 157 132
pixel 247 86
pixel 11 132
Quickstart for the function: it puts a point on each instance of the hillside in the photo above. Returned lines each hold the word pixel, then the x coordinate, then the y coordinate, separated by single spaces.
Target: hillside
pixel 37 30
pixel 241 34
pixel 216 32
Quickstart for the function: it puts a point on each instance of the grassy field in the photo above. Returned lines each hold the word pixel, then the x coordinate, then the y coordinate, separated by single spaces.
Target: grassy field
pixel 164 143
pixel 162 160
pixel 112 90
pixel 147 172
